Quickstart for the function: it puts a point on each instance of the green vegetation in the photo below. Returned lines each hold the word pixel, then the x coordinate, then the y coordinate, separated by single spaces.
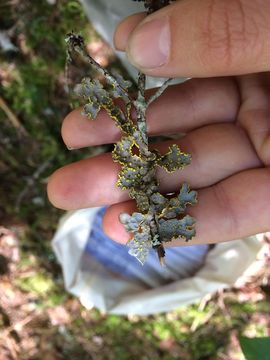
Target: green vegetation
pixel 38 319
pixel 256 348
pixel 33 88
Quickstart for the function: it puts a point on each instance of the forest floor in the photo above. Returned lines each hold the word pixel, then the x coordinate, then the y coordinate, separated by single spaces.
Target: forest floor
pixel 38 318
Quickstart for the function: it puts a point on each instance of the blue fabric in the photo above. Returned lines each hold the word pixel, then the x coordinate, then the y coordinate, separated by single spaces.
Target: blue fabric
pixel 181 262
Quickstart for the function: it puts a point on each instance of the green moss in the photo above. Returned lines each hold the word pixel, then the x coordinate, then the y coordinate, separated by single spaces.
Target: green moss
pixel 38 284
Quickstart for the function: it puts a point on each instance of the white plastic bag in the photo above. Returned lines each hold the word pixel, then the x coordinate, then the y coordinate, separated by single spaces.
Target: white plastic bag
pixel 97 287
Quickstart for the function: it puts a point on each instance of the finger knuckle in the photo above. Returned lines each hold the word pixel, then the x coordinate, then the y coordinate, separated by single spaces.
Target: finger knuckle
pixel 229 31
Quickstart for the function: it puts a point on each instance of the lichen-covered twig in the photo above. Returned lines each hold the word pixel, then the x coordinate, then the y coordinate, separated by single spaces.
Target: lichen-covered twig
pixel 160 91
pixel 76 43
pixel 160 218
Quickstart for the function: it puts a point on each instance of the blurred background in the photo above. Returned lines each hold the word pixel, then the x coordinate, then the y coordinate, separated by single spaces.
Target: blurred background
pixel 38 318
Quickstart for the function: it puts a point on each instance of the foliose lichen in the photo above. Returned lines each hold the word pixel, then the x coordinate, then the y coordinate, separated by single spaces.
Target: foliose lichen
pixel 160 217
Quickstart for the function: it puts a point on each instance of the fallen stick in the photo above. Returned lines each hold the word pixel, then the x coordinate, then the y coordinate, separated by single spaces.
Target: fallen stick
pixel 12 117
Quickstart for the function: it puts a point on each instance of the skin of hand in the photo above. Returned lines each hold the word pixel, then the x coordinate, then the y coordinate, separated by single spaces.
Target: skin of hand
pixel 224 111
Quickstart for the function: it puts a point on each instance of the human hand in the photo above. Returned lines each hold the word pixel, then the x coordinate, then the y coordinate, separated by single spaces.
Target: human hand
pixel 226 121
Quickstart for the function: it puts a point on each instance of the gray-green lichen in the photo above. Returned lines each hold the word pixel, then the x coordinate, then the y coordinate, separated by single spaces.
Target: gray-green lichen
pixel 160 217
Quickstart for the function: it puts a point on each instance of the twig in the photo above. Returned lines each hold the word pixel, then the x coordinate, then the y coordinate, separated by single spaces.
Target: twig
pixel 205 300
pixel 8 157
pixel 141 106
pixel 159 91
pixel 12 117
pixel 76 42
pixel 20 324
pixel 196 323
pixel 222 305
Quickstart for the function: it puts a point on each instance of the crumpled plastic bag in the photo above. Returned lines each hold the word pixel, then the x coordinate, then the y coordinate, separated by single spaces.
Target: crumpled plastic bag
pixel 95 286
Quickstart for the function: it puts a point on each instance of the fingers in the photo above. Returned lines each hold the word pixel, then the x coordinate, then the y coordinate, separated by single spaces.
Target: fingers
pixel 232 209
pixel 218 151
pixel 192 104
pixel 254 114
pixel 199 38
pixel 79 131
pixel 86 183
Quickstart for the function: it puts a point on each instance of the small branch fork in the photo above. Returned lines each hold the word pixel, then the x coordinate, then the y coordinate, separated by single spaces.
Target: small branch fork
pixel 160 91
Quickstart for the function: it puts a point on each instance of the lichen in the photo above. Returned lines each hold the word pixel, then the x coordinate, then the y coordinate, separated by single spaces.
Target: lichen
pixel 160 217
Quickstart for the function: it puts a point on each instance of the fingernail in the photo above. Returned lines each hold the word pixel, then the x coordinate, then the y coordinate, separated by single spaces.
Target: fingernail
pixel 149 46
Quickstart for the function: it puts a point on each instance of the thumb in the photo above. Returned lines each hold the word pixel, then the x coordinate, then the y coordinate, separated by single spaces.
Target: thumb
pixel 198 38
